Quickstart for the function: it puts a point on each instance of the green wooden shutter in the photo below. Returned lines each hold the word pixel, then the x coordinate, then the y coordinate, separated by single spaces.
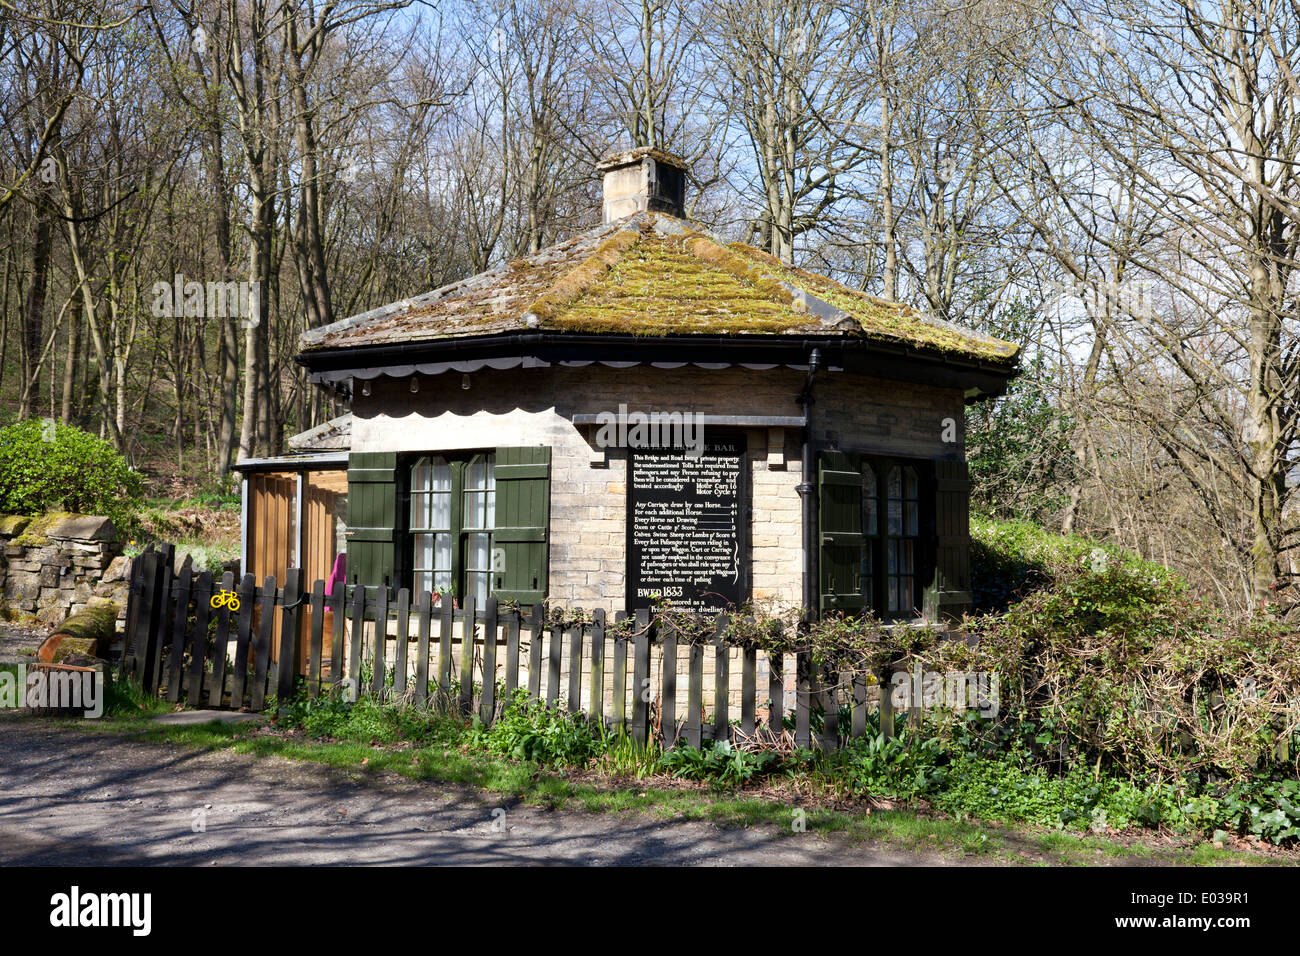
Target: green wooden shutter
pixel 948 595
pixel 523 509
pixel 840 525
pixel 372 517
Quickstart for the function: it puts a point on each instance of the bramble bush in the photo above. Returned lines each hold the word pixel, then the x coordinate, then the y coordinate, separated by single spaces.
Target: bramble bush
pixel 76 472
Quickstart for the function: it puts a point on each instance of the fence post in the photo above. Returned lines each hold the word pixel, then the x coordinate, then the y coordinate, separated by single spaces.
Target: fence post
pixel 803 699
pixel 487 704
pixel 467 632
pixel 887 701
pixel 177 656
pixel 641 677
pixel 167 571
pixel 148 625
pixel 290 635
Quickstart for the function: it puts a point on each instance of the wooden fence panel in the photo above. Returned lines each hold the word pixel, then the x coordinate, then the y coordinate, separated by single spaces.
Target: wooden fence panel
pixel 803 699
pixel 618 691
pixel 721 680
pixel 487 696
pixel 338 615
pixel 315 666
pixel 247 602
pixel 198 637
pixel 694 695
pixel 597 708
pixel 377 662
pixel 574 637
pixel 262 649
pixel 446 621
pixel 553 661
pixel 358 632
pixel 748 690
pixel 176 658
pixel 403 636
pixel 291 621
pixel 641 677
pixel 221 647
pixel 196 670
pixel 424 617
pixel 469 627
pixel 512 624
pixel 668 684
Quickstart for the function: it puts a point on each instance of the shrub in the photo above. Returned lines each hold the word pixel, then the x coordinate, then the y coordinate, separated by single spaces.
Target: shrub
pixel 529 730
pixel 76 471
pixel 895 766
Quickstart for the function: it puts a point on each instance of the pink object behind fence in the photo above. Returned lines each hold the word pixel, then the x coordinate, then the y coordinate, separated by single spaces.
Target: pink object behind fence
pixel 339 574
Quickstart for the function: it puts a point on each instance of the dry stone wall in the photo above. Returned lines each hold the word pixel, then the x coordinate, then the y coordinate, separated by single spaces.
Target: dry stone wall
pixel 55 565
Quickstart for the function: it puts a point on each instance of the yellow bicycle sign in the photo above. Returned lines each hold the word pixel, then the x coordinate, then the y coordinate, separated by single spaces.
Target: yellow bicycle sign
pixel 224 598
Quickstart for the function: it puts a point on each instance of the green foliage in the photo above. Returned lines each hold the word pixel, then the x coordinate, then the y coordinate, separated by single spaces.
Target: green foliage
pixel 529 730
pixel 720 761
pixel 896 766
pixel 76 472
pixel 1018 449
pixel 1265 809
pixel 367 720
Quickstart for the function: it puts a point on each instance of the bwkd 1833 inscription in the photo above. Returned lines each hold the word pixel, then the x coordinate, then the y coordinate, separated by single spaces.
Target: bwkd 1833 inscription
pixel 686 518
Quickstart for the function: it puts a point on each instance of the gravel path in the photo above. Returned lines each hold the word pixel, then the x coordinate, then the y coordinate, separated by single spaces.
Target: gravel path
pixel 98 799
pixel 18 643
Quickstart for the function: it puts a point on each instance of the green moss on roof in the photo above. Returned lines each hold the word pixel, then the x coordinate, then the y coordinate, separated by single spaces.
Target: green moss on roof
pixel 652 274
pixel 663 285
pixel 880 318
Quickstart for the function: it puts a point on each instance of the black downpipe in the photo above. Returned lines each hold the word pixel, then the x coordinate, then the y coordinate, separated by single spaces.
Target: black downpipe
pixel 808 493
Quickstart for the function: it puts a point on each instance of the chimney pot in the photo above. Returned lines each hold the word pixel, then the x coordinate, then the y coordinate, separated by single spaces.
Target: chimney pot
pixel 642 179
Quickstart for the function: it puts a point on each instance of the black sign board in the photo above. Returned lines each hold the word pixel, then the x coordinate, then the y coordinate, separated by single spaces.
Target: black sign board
pixel 686 523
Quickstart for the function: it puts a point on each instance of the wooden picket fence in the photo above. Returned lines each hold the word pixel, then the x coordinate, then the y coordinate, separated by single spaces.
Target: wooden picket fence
pixel 181 647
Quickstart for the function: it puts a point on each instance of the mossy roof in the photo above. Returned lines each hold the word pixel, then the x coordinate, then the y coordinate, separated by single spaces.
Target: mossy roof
pixel 653 275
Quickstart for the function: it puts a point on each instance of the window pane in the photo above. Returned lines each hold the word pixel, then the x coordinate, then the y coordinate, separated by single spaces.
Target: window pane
pixel 442 556
pixel 473 509
pixel 910 513
pixel 478 552
pixel 424 552
pixel 441 480
pixel 477 585
pixel 440 510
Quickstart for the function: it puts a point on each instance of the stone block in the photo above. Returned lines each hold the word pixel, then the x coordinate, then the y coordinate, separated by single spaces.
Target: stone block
pixel 83 528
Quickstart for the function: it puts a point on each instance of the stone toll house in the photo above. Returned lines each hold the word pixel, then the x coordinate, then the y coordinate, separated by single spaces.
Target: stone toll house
pixel 476 456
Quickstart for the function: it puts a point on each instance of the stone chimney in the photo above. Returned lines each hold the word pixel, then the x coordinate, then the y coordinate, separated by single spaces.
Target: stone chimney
pixel 643 179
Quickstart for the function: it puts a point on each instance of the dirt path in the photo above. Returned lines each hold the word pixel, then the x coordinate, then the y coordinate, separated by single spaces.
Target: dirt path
pixel 89 799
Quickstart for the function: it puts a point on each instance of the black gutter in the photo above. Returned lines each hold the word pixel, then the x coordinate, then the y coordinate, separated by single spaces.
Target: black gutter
pixel 864 356
pixel 808 494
